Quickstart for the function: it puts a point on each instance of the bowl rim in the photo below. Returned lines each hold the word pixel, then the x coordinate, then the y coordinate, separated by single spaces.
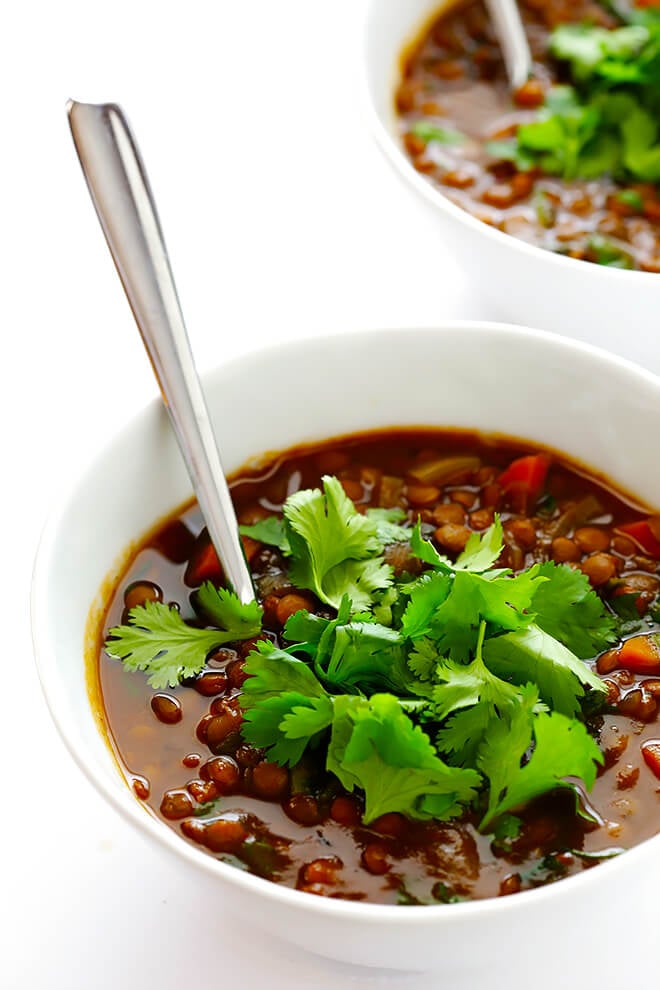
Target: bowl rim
pixel 394 153
pixel 122 799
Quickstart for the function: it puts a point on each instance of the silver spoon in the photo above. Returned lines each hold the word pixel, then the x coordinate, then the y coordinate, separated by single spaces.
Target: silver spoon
pixel 125 206
pixel 513 40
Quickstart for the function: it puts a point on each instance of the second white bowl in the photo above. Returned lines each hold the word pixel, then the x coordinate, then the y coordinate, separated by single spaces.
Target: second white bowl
pixel 521 283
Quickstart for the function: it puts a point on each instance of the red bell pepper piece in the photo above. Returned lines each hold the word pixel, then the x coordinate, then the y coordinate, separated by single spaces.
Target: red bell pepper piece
pixel 524 479
pixel 203 564
pixel 651 753
pixel 640 532
pixel 640 654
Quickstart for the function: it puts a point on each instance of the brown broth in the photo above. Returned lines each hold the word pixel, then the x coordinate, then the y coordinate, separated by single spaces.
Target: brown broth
pixel 448 860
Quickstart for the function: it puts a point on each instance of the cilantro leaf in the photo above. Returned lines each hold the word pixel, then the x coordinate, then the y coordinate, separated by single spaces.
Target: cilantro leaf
pixel 532 655
pixel 502 751
pixel 632 199
pixel 464 685
pixel 449 605
pixel 423 659
pixel 335 549
pixel 641 150
pixel 369 655
pixel 309 631
pixel 482 549
pixel 157 640
pixel 271 671
pixel 353 655
pixel 501 601
pixel 480 553
pixel 285 706
pixel 604 251
pixel 569 609
pixel 605 123
pixel 270 530
pixel 425 550
pixel 387 522
pixel 285 725
pixel 388 606
pixel 427 131
pixel 467 650
pixel 357 579
pixel 511 151
pixel 562 748
pixel 225 609
pixel 561 134
pixel 461 735
pixel 426 596
pixel 612 54
pixel 626 614
pixel 508 827
pixel 375 746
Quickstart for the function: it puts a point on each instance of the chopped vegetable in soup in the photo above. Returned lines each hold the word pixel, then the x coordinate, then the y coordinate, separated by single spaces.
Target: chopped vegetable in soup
pixel 447 688
pixel 571 161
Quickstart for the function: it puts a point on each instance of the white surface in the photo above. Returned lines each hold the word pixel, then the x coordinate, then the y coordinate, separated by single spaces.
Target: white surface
pixel 282 219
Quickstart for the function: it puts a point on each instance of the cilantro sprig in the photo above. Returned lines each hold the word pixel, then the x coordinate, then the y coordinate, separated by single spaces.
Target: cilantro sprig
pixel 605 122
pixel 157 640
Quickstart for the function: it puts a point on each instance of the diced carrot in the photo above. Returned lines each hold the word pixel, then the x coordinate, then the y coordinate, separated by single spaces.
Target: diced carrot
pixel 203 564
pixel 524 478
pixel 642 535
pixel 640 654
pixel 250 547
pixel 651 753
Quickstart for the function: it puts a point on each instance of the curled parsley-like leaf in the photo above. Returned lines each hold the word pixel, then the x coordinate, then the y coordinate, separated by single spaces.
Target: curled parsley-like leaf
pixel 157 640
pixel 376 747
pixel 461 685
pixel 562 748
pixel 567 607
pixel 532 655
pixel 335 550
pixel 285 706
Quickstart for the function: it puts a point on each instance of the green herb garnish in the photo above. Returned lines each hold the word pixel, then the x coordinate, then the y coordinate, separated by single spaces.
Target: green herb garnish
pixel 335 551
pixel 632 199
pixel 606 252
pixel 606 121
pixel 158 641
pixel 462 688
pixel 427 132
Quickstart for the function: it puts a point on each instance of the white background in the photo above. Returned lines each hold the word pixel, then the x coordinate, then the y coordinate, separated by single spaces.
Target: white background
pixel 282 220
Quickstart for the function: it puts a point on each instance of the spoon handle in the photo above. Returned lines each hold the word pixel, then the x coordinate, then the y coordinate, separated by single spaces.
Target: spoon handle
pixel 513 40
pixel 125 206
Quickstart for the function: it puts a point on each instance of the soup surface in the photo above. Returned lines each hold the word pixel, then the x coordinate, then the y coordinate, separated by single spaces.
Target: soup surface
pixel 556 188
pixel 191 757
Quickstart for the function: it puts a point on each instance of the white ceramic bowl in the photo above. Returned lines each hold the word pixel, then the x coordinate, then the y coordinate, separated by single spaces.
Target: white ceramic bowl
pixel 521 283
pixel 598 409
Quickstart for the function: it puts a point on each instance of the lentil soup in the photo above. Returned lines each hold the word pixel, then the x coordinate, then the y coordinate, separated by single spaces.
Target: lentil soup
pixel 462 128
pixel 189 751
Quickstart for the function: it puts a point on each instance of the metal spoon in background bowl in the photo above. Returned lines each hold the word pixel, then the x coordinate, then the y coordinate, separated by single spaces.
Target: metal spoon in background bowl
pixel 125 206
pixel 513 40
